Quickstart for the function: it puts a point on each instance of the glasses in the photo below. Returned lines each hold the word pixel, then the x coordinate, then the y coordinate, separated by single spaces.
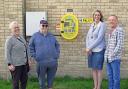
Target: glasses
pixel 16 27
pixel 44 25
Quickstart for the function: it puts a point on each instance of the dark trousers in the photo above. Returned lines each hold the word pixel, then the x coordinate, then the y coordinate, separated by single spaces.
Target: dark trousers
pixel 48 69
pixel 19 76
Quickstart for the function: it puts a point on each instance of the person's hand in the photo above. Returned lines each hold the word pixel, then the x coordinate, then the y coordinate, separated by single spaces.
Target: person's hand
pixel 11 67
pixel 88 51
pixel 32 61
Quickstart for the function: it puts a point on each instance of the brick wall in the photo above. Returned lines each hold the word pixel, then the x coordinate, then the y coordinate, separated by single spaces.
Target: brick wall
pixel 72 60
pixel 9 10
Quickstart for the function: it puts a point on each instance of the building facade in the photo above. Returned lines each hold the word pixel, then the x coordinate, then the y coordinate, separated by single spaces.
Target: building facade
pixel 73 59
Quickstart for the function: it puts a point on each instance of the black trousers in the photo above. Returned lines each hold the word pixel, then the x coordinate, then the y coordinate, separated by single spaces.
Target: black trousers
pixel 19 77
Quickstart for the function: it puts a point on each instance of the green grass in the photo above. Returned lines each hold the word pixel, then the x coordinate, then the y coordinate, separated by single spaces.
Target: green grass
pixel 64 83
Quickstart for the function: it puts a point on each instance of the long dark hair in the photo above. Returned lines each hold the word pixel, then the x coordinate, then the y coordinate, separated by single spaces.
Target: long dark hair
pixel 101 19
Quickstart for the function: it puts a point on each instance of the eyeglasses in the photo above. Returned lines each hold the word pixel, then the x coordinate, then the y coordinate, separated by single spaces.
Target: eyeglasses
pixel 44 25
pixel 16 27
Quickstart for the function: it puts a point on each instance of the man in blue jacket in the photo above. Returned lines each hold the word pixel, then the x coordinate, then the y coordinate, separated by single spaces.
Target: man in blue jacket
pixel 45 50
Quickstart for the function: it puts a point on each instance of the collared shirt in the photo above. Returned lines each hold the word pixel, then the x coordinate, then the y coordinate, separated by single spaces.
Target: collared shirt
pixel 115 43
pixel 95 39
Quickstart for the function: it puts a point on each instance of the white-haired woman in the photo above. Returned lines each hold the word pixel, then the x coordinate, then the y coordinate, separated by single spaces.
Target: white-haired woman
pixel 16 56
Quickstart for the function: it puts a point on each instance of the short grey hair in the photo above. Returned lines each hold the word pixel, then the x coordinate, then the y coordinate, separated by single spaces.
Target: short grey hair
pixel 12 23
pixel 114 16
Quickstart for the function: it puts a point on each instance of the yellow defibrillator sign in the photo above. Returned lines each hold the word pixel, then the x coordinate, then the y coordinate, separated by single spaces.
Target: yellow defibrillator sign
pixel 69 26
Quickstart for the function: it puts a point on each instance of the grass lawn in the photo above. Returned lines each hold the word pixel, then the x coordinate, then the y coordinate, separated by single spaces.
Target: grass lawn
pixel 64 83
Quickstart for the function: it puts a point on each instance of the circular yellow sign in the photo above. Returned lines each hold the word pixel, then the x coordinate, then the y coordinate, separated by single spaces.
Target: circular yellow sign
pixel 69 26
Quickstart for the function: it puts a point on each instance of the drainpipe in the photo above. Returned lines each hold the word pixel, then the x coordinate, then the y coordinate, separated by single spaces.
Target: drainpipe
pixel 24 18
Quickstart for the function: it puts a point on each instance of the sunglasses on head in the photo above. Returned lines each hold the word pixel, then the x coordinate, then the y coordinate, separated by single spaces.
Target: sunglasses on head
pixel 45 25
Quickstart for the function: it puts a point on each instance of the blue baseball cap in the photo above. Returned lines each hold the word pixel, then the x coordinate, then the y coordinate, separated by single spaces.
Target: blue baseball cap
pixel 43 22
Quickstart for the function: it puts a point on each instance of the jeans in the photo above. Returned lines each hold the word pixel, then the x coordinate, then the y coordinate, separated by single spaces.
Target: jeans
pixel 49 69
pixel 113 72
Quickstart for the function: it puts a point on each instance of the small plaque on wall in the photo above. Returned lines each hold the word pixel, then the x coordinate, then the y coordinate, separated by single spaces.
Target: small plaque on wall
pixel 69 10
pixel 87 20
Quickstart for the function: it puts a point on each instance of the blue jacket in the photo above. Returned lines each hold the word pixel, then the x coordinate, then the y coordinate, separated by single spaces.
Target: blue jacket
pixel 44 48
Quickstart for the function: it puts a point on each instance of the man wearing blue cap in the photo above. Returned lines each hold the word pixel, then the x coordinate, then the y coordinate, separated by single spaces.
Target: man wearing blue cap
pixel 45 50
